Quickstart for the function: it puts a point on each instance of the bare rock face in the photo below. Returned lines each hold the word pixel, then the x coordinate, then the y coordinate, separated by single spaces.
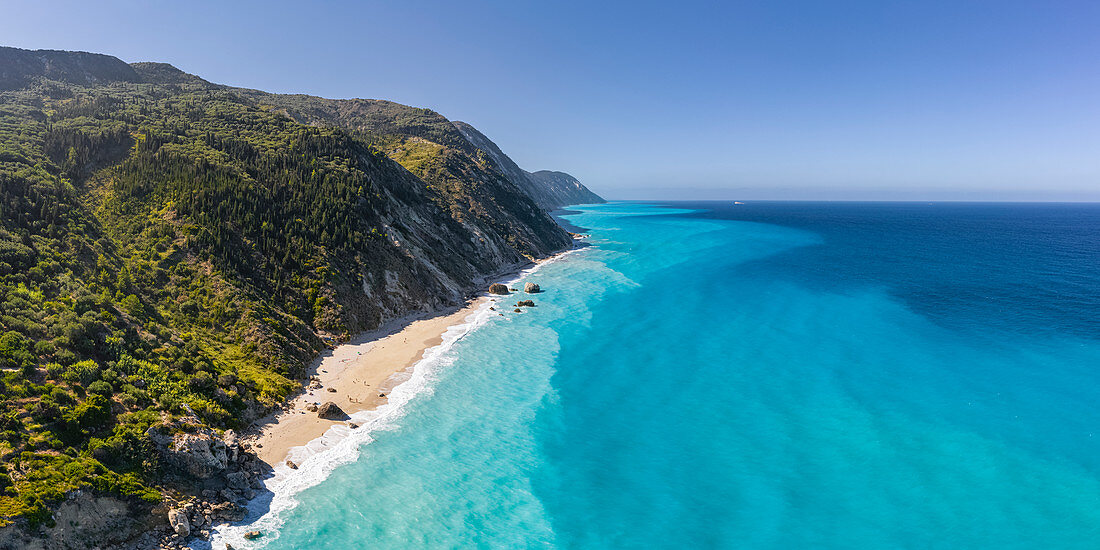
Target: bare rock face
pixel 531 288
pixel 497 288
pixel 201 454
pixel 177 517
pixel 84 520
pixel 331 411
pixel 237 480
pixel 227 511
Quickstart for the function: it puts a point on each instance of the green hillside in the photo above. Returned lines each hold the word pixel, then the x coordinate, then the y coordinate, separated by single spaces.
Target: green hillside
pixel 169 246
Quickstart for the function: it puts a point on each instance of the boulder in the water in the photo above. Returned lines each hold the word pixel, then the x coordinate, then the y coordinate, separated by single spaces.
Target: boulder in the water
pixel 497 288
pixel 253 535
pixel 531 288
pixel 526 303
pixel 331 411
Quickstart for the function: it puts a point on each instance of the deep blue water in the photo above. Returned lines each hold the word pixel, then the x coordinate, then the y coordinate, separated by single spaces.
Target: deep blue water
pixel 768 375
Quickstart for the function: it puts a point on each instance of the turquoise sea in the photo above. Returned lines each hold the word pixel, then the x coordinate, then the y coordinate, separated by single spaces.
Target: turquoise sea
pixel 767 375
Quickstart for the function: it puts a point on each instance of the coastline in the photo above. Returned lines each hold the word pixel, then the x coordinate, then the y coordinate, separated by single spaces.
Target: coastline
pixel 398 360
pixel 363 372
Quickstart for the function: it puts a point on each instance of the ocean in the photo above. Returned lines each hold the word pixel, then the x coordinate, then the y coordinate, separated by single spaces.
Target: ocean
pixel 766 375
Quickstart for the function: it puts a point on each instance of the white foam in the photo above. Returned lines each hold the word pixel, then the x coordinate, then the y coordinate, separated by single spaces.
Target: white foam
pixel 341 445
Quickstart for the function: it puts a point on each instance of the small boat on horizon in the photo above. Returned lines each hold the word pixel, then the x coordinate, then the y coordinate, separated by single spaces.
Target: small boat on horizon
pixel 737 202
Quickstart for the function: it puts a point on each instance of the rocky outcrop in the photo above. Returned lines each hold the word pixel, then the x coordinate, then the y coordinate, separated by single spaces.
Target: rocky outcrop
pixel 330 411
pixel 201 454
pixel 219 469
pixel 531 288
pixel 497 288
pixel 87 520
pixel 525 303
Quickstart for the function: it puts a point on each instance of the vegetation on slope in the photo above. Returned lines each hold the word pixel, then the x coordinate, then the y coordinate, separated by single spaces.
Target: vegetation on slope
pixel 170 247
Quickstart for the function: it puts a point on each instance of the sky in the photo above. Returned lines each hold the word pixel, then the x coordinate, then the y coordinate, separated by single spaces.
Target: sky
pixel 874 99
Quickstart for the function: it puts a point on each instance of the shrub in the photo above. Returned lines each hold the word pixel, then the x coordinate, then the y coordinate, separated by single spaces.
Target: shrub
pixel 100 387
pixel 84 372
pixel 13 351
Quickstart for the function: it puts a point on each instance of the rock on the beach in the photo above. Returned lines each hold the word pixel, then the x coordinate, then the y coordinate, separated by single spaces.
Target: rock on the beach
pixel 332 390
pixel 177 518
pixel 331 411
pixel 290 464
pixel 312 407
pixel 497 288
pixel 531 288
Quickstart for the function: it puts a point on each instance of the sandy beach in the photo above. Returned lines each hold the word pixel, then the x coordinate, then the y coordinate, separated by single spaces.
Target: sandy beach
pixel 360 372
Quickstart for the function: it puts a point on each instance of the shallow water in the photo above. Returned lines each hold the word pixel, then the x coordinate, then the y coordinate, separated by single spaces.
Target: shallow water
pixel 773 375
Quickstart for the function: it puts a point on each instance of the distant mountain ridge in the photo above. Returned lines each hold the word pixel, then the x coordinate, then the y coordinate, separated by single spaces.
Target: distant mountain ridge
pixel 19 67
pixel 551 190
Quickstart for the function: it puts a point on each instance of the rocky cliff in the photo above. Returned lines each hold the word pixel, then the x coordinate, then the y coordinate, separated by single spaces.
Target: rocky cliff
pixel 173 253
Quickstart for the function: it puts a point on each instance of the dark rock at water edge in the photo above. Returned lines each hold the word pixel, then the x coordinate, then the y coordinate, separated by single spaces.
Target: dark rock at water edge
pixel 497 288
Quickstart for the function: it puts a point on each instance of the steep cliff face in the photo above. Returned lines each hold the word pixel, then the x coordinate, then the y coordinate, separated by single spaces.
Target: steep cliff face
pixel 171 247
pixel 551 190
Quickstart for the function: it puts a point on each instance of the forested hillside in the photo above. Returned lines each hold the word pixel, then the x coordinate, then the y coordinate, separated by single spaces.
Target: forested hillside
pixel 172 248
pixel 449 154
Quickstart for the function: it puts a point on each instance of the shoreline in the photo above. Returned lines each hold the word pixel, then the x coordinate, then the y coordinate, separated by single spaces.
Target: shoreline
pixel 363 372
pixel 417 346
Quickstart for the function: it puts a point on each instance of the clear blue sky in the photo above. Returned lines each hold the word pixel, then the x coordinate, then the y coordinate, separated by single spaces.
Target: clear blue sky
pixel 767 99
